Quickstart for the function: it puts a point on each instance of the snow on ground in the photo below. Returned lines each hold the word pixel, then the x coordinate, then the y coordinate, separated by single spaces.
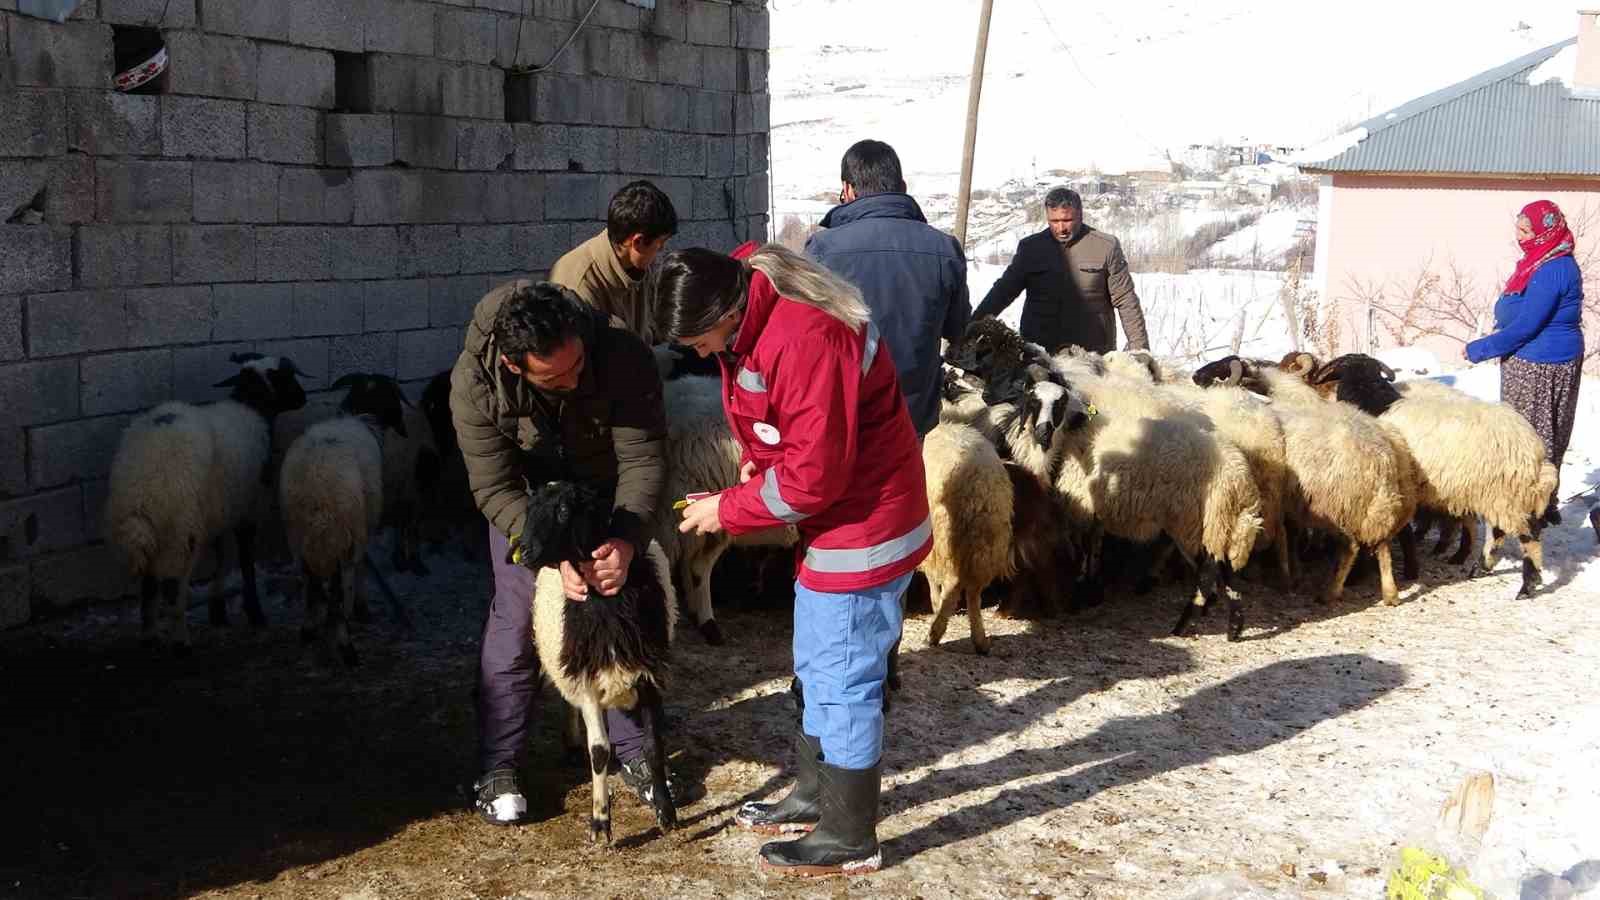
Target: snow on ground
pixel 1271 238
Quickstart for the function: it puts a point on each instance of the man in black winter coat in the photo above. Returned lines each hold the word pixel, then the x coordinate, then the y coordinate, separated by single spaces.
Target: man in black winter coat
pixel 912 275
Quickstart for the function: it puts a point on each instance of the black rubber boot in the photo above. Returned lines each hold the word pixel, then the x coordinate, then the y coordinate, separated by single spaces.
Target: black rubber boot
pixel 801 809
pixel 845 842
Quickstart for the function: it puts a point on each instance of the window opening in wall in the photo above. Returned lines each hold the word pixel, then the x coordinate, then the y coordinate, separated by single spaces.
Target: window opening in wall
pixel 519 97
pixel 352 92
pixel 140 57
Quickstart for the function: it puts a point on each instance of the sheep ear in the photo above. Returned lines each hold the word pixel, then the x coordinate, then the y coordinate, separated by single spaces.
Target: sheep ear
pixel 1388 373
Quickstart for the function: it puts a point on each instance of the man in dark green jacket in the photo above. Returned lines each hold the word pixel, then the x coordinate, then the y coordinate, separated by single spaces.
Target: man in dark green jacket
pixel 546 389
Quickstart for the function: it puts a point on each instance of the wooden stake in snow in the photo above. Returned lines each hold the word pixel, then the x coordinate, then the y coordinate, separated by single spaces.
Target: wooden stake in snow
pixel 1467 811
pixel 974 90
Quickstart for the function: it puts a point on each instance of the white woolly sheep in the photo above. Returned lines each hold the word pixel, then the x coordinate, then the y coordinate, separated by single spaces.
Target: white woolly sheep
pixel 605 652
pixel 970 507
pixel 183 475
pixel 412 465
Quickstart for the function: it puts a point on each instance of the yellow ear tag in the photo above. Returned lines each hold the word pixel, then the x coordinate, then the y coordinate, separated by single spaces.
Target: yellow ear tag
pixel 1090 411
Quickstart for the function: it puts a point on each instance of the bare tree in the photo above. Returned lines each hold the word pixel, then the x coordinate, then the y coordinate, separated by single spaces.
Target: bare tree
pixel 1427 303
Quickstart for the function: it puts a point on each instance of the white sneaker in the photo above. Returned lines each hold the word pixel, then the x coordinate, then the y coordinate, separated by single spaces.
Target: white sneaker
pixel 500 800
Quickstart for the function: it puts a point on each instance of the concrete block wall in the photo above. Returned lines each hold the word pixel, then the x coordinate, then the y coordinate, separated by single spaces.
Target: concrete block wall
pixel 334 180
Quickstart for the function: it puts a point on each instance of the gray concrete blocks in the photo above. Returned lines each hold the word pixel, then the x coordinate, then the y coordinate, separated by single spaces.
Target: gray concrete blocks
pixel 13 461
pixel 293 254
pixel 566 148
pixel 713 113
pixel 753 70
pixel 710 23
pixel 487 248
pixel 11 346
pixel 670 20
pixel 35 525
pixel 210 65
pixel 569 196
pixel 235 192
pixel 719 155
pixel 60 454
pixel 668 107
pixel 679 63
pixel 16 602
pixel 751 112
pixel 168 315
pixel 400 26
pixel 328 307
pixel 483 146
pixel 451 300
pixel 143 191
pixel 513 197
pixel 425 141
pixel 390 196
pixel 395 305
pixel 285 134
pixel 32 123
pixel 71 54
pixel 539 246
pixel 720 68
pixel 316 195
pixel 70 196
pixel 248 312
pixel 35 258
pixel 752 27
pixel 76 322
pixel 642 151
pixel 429 250
pixel 38 393
pixel 371 353
pixel 617 103
pixel 679 190
pixel 111 255
pixel 202 127
pixel 359 139
pixel 563 99
pixel 405 84
pixel 161 13
pixel 713 199
pixel 475 92
pixel 196 370
pixel 332 26
pixel 631 57
pixel 425 353
pixel 110 123
pixel 294 76
pixel 758 153
pixel 248 18
pixel 466 35
pixel 124 382
pixel 364 252
pixel 213 253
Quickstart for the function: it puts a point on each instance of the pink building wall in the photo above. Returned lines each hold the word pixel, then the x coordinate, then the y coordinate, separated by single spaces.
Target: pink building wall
pixel 1378 233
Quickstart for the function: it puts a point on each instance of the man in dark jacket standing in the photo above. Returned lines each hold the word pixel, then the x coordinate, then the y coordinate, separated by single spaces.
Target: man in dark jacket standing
pixel 912 275
pixel 1074 276
pixel 547 389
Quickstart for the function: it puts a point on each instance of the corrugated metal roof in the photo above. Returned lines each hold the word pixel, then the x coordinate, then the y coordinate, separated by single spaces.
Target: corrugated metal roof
pixel 1491 124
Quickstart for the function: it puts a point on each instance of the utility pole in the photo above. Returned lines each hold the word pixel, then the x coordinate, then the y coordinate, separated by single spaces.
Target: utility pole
pixel 974 91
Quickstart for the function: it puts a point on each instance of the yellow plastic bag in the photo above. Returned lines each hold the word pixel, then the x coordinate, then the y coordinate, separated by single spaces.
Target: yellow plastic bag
pixel 1423 875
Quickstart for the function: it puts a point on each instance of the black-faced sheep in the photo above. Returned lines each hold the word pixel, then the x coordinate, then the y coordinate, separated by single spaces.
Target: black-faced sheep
pixel 603 652
pixel 970 507
pixel 184 475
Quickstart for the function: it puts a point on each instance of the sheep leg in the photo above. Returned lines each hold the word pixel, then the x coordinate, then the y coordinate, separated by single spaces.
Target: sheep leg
pixel 149 612
pixel 1490 548
pixel 1391 594
pixel 1341 571
pixel 697 580
pixel 245 537
pixel 1594 521
pixel 650 714
pixel 1411 567
pixel 943 605
pixel 1447 531
pixel 1200 597
pixel 1285 568
pixel 980 640
pixel 216 604
pixel 173 600
pixel 1224 586
pixel 1532 557
pixel 594 723
pixel 1469 532
pixel 338 613
pixel 312 589
pixel 361 611
pixel 1158 564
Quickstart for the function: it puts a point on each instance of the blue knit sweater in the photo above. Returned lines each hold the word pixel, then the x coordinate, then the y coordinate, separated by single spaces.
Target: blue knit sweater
pixel 1543 324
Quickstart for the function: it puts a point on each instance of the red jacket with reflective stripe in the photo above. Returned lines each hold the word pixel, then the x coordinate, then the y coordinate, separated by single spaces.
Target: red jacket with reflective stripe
pixel 818 409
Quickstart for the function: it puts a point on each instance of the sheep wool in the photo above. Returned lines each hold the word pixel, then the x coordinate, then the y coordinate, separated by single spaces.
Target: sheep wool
pixel 970 507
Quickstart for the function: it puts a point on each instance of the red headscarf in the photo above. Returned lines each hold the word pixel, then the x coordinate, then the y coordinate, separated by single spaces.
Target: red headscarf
pixel 1551 238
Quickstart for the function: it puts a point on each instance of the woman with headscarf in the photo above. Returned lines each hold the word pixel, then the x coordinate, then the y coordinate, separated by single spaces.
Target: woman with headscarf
pixel 1538 333
pixel 812 396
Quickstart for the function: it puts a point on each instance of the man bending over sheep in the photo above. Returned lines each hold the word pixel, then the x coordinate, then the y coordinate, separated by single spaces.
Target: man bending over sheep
pixel 547 389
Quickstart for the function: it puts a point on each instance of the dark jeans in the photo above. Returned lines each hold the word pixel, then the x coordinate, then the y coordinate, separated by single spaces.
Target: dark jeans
pixel 508 672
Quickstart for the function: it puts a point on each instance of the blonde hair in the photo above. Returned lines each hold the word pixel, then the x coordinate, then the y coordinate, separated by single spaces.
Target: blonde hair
pixel 803 281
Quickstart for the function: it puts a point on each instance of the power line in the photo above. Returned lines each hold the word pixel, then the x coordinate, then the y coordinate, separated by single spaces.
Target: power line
pixel 1085 75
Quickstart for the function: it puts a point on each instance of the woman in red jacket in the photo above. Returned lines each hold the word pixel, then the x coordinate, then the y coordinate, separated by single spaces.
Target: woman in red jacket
pixel 811 394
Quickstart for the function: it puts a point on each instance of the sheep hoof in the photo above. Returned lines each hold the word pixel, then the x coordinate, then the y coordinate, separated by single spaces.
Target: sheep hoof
pixel 1530 579
pixel 981 647
pixel 712 632
pixel 600 828
pixel 1236 630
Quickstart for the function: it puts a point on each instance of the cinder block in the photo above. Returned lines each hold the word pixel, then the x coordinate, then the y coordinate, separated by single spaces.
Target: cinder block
pixel 757 154
pixel 741 157
pixel 566 148
pixel 247 312
pixel 710 23
pixel 72 451
pixel 668 107
pixel 235 192
pixel 196 371
pixel 294 76
pixel 451 300
pixel 752 27
pixel 516 7
pixel 213 253
pixel 161 13
pixel 168 315
pixel 201 126
pixel 719 155
pixel 328 307
pixel 11 346
pixel 387 195
pixel 753 70
pixel 210 65
pixel 70 54
pixel 316 195
pixel 123 382
pixel 751 114
pixel 514 197
pixel 487 248
pixel 618 103
pixel 248 18
pixel 76 322
pixel 24 185
pixel 360 140
pixel 77 578
pixel 285 134
pixel 453 197
pixel 400 26
pixel 35 258
pixel 474 92
pixel 556 9
pixel 754 194
pixel 613 14
pixel 111 123
pixel 643 151
pixel 395 305
pixel 539 246
pixel 372 353
pixel 720 69
pixel 632 56
pixel 713 198
pixel 110 255
pixel 293 254
pixel 466 35
pixel 333 26
pixel 69 198
pixel 405 84
pixel 95 495
pixel 713 113
pixel 484 145
pixel 680 191
pixel 571 196
pixel 427 142
pixel 685 155
pixel 16 601
pixel 310 356
pixel 38 393
pixel 13 461
pixel 425 353
pixel 140 191
pixel 670 19
pixel 52 520
pixel 429 250
pixel 563 99
pixel 679 63
pixel 364 252
pixel 32 123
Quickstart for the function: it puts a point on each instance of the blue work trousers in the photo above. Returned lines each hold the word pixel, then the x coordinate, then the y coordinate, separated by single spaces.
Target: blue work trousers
pixel 841 656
